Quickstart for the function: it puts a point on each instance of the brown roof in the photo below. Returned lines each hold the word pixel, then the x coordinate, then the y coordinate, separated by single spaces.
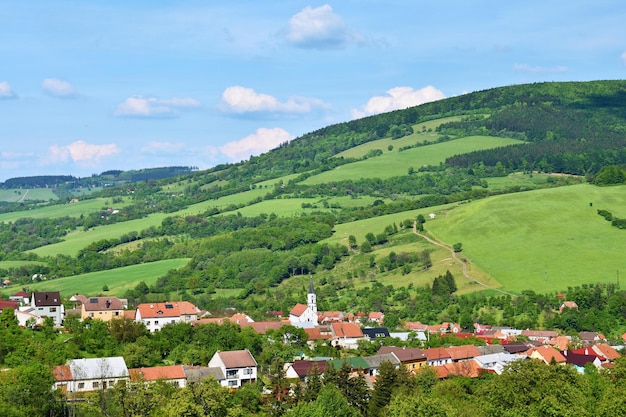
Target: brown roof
pixel 130 314
pixel 62 373
pixel 47 299
pixel 261 327
pixel 305 368
pixel 173 309
pixel 467 368
pixel 8 304
pixel 547 353
pixel 298 309
pixel 346 330
pixel 237 359
pixel 158 372
pixel 404 354
pixel 103 304
pixel 540 333
pixel 463 352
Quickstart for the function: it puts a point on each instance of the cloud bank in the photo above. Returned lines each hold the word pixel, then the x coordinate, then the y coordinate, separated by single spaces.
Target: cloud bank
pixel 262 141
pixel 398 98
pixel 241 100
pixel 319 28
pixel 6 92
pixel 83 153
pixel 152 107
pixel 58 88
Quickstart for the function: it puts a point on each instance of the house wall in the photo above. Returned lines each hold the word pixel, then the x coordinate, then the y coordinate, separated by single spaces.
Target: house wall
pixel 106 315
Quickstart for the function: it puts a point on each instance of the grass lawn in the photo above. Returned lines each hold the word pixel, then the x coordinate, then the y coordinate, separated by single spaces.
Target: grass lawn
pixel 61 210
pixel 396 163
pixel 526 181
pixel 118 280
pixel 34 194
pixel 545 240
pixel 17 264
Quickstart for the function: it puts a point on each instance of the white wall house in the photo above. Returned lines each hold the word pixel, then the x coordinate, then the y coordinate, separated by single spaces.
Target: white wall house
pixel 156 315
pixel 305 315
pixel 238 366
pixel 91 374
pixel 46 304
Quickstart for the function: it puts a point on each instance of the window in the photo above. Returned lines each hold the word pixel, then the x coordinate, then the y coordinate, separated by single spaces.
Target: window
pixel 81 385
pixel 148 323
pixel 232 383
pixel 117 313
pixel 231 373
pixel 96 385
pixel 247 371
pixel 53 309
pixel 90 314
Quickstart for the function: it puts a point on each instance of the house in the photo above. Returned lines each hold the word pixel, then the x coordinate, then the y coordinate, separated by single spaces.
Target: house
pixel 560 342
pixel 602 349
pixel 462 353
pixel 13 305
pixel 546 354
pixel 301 369
pixel 374 362
pixel 22 298
pixel 568 304
pixel 328 317
pixel 496 362
pixel 156 315
pixel 92 374
pixel 580 360
pixel 540 335
pixel 320 333
pixel 26 319
pixel 590 338
pixel 173 375
pixel 346 335
pixel 195 374
pixel 46 304
pixel 305 315
pixel 102 308
pixel 373 333
pixel 469 369
pixel 376 317
pixel 411 358
pixel 437 356
pixel 238 367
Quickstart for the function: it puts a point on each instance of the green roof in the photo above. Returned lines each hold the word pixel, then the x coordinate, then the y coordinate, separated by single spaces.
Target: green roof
pixel 356 363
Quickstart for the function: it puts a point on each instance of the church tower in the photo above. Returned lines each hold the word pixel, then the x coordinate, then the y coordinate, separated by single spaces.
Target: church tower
pixel 312 298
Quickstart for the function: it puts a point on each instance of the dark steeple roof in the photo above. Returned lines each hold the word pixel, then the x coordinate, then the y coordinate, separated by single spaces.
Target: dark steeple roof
pixel 311 290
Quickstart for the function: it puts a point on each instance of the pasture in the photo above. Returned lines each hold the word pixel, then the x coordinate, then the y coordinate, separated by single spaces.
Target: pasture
pixel 545 240
pixel 395 163
pixel 60 210
pixel 118 280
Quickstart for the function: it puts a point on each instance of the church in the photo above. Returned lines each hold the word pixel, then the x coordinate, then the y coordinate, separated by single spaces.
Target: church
pixel 305 316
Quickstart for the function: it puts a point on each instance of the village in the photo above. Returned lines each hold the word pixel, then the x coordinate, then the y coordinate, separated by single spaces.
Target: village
pixel 344 332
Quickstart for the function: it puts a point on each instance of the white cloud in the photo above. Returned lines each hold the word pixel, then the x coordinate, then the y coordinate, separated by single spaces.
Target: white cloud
pixel 262 141
pixel 537 69
pixel 244 100
pixel 319 28
pixel 138 106
pixel 156 148
pixel 6 91
pixel 58 88
pixel 398 98
pixel 81 152
pixel 623 57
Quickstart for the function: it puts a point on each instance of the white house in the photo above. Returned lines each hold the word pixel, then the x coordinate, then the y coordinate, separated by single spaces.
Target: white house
pixel 92 374
pixel 156 315
pixel 238 366
pixel 46 304
pixel 305 315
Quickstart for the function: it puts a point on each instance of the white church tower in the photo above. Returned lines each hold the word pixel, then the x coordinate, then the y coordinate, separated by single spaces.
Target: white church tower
pixel 312 298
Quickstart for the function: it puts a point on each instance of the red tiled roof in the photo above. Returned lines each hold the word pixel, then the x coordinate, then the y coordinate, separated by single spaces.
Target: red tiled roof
pixel 261 327
pixel 298 309
pixel 466 368
pixel 316 334
pixel 173 309
pixel 346 330
pixel 62 373
pixel 434 354
pixel 158 372
pixel 463 352
pixel 21 294
pixel 103 304
pixel 547 353
pixel 8 304
pixel 606 351
pixel 130 314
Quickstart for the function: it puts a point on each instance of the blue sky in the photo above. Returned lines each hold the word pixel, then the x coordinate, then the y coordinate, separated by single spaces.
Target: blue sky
pixel 88 86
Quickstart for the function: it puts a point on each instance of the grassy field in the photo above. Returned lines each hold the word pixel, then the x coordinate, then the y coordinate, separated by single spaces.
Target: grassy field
pixel 421 134
pixel 61 210
pixel 524 181
pixel 394 163
pixel 18 195
pixel 544 240
pixel 17 264
pixel 118 280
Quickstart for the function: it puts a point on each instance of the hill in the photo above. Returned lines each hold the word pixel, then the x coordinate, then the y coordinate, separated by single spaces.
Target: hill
pixel 507 172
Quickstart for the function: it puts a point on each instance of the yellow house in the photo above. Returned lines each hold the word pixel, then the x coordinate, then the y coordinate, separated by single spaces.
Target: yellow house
pixel 103 308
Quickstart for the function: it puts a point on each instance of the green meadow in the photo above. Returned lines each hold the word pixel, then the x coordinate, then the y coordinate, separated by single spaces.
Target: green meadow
pixel 118 280
pixel 545 240
pixel 17 264
pixel 34 194
pixel 61 210
pixel 394 163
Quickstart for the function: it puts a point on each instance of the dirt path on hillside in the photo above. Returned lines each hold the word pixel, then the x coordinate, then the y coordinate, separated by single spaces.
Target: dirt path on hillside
pixel 456 259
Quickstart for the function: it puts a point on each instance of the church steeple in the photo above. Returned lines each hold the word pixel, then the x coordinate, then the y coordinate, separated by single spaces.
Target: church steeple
pixel 311 297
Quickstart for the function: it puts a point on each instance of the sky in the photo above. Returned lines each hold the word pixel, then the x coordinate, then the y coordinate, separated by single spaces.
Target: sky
pixel 90 86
